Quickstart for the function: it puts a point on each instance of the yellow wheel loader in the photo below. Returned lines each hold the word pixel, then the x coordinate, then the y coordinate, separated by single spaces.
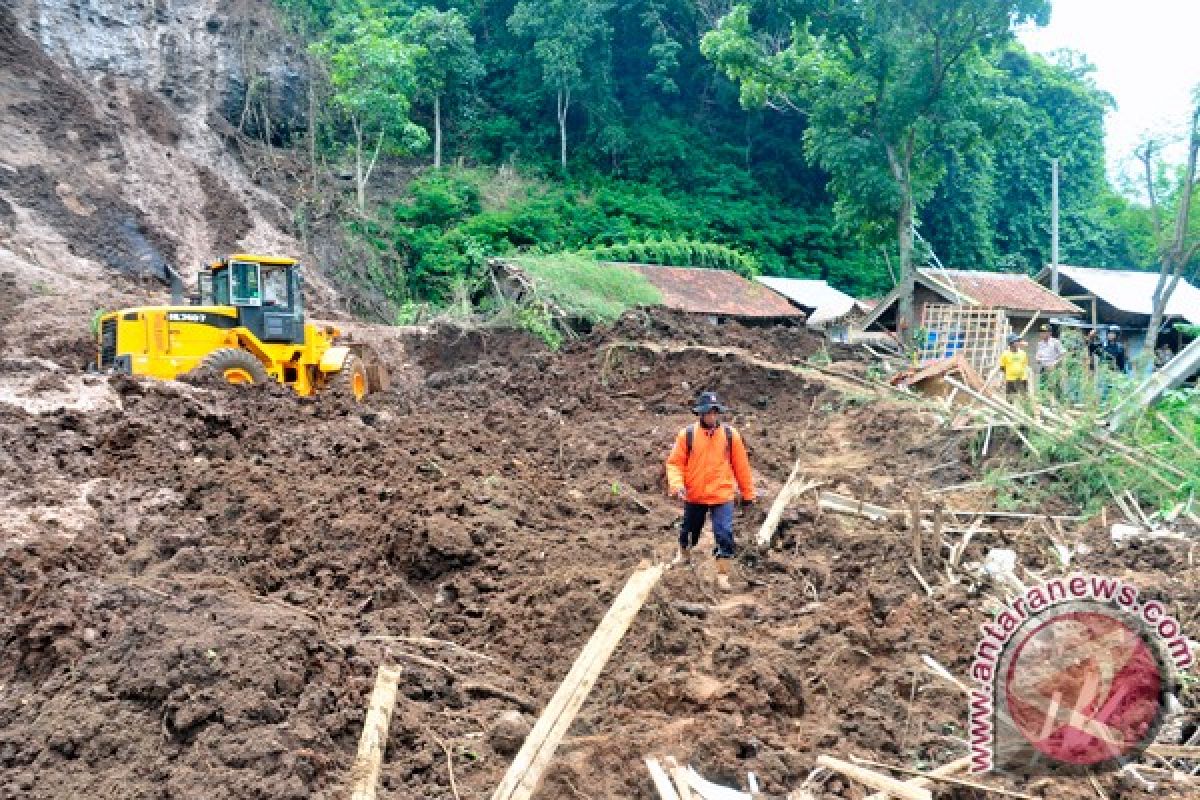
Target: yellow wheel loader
pixel 248 327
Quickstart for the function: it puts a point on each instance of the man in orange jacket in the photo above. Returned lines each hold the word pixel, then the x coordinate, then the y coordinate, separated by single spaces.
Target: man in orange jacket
pixel 704 465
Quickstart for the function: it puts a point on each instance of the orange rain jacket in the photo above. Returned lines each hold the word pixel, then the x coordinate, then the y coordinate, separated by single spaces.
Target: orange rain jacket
pixel 707 473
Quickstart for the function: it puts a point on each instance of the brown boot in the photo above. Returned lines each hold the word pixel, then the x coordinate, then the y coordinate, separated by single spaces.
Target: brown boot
pixel 683 557
pixel 723 574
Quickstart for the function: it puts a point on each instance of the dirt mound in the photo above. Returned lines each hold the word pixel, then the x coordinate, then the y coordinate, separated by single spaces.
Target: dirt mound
pixel 208 619
pixel 786 343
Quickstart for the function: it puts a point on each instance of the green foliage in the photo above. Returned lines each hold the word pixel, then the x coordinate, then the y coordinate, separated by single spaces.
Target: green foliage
pixel 679 253
pixel 444 58
pixel 673 162
pixel 586 289
pixel 445 228
pixel 565 35
pixel 372 72
pixel 882 84
pixel 537 321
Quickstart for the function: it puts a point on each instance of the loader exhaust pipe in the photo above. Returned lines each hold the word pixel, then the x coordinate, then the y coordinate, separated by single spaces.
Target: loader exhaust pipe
pixel 176 282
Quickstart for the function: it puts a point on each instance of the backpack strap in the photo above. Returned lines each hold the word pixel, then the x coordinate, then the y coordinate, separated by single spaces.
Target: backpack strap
pixel 689 435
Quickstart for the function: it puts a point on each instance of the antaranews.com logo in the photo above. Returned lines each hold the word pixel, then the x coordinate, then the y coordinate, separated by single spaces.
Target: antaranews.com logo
pixel 1073 673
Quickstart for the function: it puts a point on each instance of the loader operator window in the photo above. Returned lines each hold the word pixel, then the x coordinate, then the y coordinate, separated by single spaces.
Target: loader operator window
pixel 220 282
pixel 245 289
pixel 275 287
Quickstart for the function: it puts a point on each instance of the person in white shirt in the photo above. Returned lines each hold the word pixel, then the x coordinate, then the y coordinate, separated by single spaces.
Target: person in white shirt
pixel 1049 349
pixel 1048 355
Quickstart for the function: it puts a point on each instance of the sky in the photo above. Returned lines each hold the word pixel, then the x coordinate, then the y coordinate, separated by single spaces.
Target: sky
pixel 1146 54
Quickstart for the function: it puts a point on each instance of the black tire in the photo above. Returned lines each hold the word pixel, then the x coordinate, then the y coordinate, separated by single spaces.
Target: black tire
pixel 352 381
pixel 234 366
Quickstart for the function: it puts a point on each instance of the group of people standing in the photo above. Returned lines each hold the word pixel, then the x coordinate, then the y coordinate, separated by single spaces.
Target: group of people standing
pixel 1105 356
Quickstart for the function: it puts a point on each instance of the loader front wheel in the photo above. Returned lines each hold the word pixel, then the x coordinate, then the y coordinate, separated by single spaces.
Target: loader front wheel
pixel 353 381
pixel 234 366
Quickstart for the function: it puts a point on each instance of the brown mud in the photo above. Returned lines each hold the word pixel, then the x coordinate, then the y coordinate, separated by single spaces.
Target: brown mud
pixel 197 585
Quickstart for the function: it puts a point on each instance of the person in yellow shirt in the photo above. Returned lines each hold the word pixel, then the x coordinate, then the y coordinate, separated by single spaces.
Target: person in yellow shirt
pixel 1015 363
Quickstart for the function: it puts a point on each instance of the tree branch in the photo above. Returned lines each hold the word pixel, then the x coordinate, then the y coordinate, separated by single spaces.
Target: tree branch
pixel 374 158
pixel 1146 156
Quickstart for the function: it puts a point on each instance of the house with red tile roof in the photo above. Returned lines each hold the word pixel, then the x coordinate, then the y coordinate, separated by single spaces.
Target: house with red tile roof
pixel 1020 297
pixel 717 293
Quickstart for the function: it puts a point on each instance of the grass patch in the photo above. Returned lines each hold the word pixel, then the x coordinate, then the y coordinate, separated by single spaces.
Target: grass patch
pixel 586 289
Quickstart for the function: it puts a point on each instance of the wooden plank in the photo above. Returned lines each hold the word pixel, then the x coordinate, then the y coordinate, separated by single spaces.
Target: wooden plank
pixel 525 773
pixel 661 782
pixel 847 505
pixel 875 780
pixel 953 768
pixel 680 778
pixel 364 774
pixel 982 787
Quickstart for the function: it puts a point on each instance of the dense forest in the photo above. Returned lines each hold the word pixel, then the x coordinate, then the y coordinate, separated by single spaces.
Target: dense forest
pixel 760 137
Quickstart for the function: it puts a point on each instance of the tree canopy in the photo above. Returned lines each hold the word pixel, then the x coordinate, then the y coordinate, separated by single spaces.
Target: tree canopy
pixel 667 117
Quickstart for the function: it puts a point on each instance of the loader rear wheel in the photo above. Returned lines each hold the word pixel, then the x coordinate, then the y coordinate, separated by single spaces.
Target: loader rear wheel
pixel 235 366
pixel 353 381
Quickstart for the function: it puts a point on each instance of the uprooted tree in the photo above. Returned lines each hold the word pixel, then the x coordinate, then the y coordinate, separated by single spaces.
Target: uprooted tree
pixel 1177 247
pixel 886 87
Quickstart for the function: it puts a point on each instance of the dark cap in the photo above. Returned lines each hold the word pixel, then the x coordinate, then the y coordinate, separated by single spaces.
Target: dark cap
pixel 707 401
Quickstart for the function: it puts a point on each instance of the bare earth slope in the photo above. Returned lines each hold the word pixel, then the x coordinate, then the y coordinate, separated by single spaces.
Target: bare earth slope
pixel 117 161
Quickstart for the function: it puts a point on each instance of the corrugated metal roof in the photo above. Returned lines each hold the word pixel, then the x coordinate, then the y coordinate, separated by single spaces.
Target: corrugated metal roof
pixel 828 303
pixel 1010 291
pixel 1132 291
pixel 714 291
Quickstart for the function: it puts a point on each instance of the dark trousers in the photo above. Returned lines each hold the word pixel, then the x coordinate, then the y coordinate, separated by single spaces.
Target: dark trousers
pixel 722 523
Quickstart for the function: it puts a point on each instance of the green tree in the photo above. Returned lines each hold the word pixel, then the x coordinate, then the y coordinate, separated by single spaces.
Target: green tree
pixel 882 83
pixel 445 60
pixel 372 72
pixel 562 33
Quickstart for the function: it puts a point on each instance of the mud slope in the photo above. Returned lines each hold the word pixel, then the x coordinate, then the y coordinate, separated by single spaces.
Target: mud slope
pixel 197 584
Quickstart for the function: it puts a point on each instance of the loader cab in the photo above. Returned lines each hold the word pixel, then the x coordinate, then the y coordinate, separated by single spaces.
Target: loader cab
pixel 266 292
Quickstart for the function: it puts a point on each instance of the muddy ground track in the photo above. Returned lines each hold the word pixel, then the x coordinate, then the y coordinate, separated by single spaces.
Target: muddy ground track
pixel 217 573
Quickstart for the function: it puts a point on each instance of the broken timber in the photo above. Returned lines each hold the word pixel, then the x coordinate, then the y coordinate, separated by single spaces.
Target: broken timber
pixel 364 774
pixel 525 774
pixel 875 780
pixel 953 768
pixel 792 488
pixel 662 782
pixel 848 505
